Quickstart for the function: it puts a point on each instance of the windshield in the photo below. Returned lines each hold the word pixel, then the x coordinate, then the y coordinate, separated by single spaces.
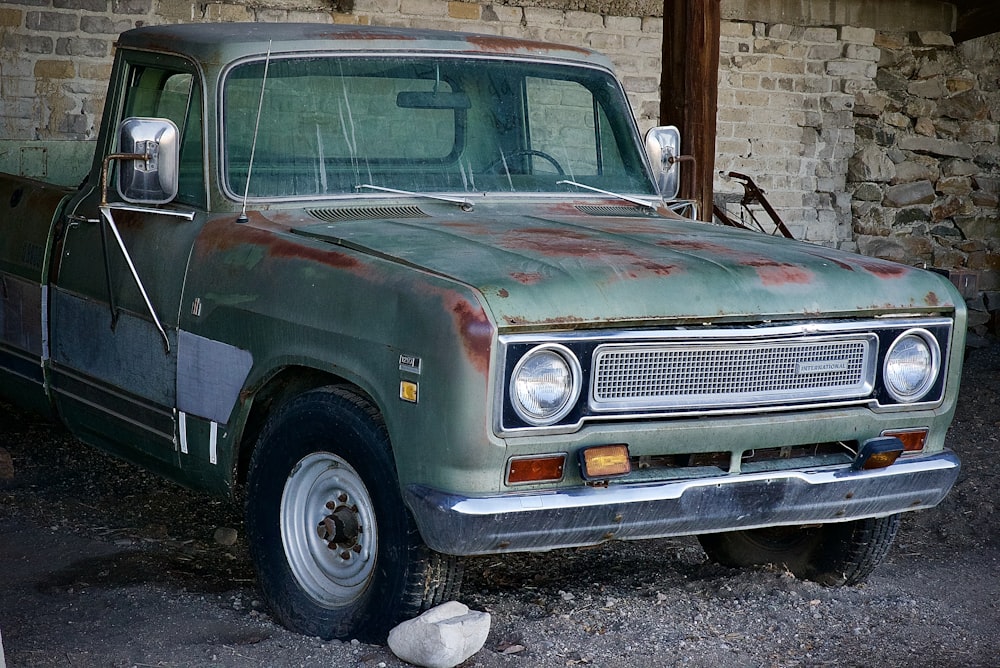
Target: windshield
pixel 334 125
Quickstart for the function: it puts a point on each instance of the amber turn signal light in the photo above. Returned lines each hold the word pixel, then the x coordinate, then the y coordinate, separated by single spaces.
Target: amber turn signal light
pixel 913 439
pixel 605 461
pixel 548 468
pixel 877 453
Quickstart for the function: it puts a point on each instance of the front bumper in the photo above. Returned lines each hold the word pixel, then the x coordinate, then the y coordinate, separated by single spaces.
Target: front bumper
pixel 459 525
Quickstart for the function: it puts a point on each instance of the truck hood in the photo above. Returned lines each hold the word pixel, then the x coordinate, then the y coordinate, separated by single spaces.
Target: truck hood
pixel 563 269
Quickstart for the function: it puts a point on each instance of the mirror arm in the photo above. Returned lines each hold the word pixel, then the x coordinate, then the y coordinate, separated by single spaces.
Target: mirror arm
pixel 145 157
pixel 106 214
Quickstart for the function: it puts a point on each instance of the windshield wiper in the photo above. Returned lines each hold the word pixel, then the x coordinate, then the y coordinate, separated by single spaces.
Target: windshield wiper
pixel 464 203
pixel 627 198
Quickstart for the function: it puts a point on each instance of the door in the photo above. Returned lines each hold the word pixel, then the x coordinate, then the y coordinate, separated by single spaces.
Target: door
pixel 118 280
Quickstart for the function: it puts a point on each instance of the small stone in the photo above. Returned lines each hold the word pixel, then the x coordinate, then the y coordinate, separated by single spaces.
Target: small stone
pixel 868 192
pixel 908 172
pixel 870 164
pixel 918 107
pixel 942 147
pixel 442 637
pixel 6 465
pixel 973 132
pixel 869 103
pixel 932 38
pixel 924 126
pixel 979 227
pixel 908 194
pixel 954 185
pixel 990 184
pixel 959 84
pixel 897 120
pixel 225 536
pixel 958 168
pixel 931 89
pixel 970 105
pixel 985 200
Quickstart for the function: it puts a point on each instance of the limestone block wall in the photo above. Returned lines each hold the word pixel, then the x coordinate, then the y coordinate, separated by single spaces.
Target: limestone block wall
pixel 786 99
pixel 55 55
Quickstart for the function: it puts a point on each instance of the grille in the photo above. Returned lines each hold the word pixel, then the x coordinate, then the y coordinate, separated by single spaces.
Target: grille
pixel 732 373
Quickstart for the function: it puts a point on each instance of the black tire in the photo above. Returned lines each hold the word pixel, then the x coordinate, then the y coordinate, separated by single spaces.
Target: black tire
pixel 321 476
pixel 843 553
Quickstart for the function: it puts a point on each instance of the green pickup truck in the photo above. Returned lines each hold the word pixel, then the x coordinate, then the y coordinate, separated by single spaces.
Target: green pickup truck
pixel 418 295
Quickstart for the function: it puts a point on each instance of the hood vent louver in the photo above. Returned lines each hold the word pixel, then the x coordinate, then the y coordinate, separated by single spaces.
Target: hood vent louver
pixel 340 215
pixel 613 210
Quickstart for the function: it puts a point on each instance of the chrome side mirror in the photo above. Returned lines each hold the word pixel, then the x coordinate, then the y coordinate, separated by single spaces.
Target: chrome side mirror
pixel 148 155
pixel 663 148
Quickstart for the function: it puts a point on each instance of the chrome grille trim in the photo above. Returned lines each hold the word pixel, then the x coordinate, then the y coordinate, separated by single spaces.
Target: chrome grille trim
pixel 584 342
pixel 732 373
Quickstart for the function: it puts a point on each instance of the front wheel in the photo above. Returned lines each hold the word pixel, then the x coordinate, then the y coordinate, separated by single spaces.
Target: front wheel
pixel 336 551
pixel 843 553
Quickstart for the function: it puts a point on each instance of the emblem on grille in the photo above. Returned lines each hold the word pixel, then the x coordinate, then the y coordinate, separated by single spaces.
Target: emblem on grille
pixel 821 366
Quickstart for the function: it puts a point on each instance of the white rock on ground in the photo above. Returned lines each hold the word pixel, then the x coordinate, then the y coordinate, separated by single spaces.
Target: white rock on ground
pixel 3 662
pixel 442 637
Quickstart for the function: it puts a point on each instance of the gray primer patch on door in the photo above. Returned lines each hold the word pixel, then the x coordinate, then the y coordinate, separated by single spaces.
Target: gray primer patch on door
pixel 210 375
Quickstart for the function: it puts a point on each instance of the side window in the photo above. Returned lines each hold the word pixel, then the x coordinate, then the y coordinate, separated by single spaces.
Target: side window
pixel 164 93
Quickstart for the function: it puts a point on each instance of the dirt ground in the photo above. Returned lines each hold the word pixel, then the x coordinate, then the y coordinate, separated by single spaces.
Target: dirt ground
pixel 104 565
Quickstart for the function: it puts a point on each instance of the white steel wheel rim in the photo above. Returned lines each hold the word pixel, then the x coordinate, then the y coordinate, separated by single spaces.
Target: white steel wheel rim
pixel 328 529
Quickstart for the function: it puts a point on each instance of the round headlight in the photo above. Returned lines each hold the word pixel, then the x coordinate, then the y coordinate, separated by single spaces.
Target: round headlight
pixel 545 384
pixel 911 365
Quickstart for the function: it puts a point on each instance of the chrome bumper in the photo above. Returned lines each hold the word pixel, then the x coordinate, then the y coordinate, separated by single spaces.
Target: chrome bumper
pixel 461 525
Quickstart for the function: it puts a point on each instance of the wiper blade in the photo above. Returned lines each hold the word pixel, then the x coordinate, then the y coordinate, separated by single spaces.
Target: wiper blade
pixel 627 198
pixel 464 203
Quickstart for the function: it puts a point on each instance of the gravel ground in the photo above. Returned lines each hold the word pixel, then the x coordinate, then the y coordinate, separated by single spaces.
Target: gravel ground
pixel 104 565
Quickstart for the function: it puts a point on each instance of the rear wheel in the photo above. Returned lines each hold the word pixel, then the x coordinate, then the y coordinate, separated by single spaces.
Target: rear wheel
pixel 336 551
pixel 843 553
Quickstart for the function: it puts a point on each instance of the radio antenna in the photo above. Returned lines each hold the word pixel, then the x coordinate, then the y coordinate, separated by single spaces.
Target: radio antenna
pixel 253 145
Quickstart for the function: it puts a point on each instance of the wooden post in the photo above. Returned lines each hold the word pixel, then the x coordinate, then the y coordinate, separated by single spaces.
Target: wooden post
pixel 689 90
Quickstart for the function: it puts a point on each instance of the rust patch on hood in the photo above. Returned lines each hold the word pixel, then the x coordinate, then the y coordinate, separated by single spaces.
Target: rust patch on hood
pixel 527 277
pixel 552 242
pixel 884 269
pixel 843 265
pixel 932 299
pixel 779 273
pixel 560 321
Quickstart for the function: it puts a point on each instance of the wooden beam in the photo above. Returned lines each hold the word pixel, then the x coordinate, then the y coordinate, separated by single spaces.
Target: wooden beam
pixel 689 90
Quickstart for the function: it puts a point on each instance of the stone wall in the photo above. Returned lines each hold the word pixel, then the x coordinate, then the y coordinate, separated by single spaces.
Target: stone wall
pixel 55 55
pixel 926 176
